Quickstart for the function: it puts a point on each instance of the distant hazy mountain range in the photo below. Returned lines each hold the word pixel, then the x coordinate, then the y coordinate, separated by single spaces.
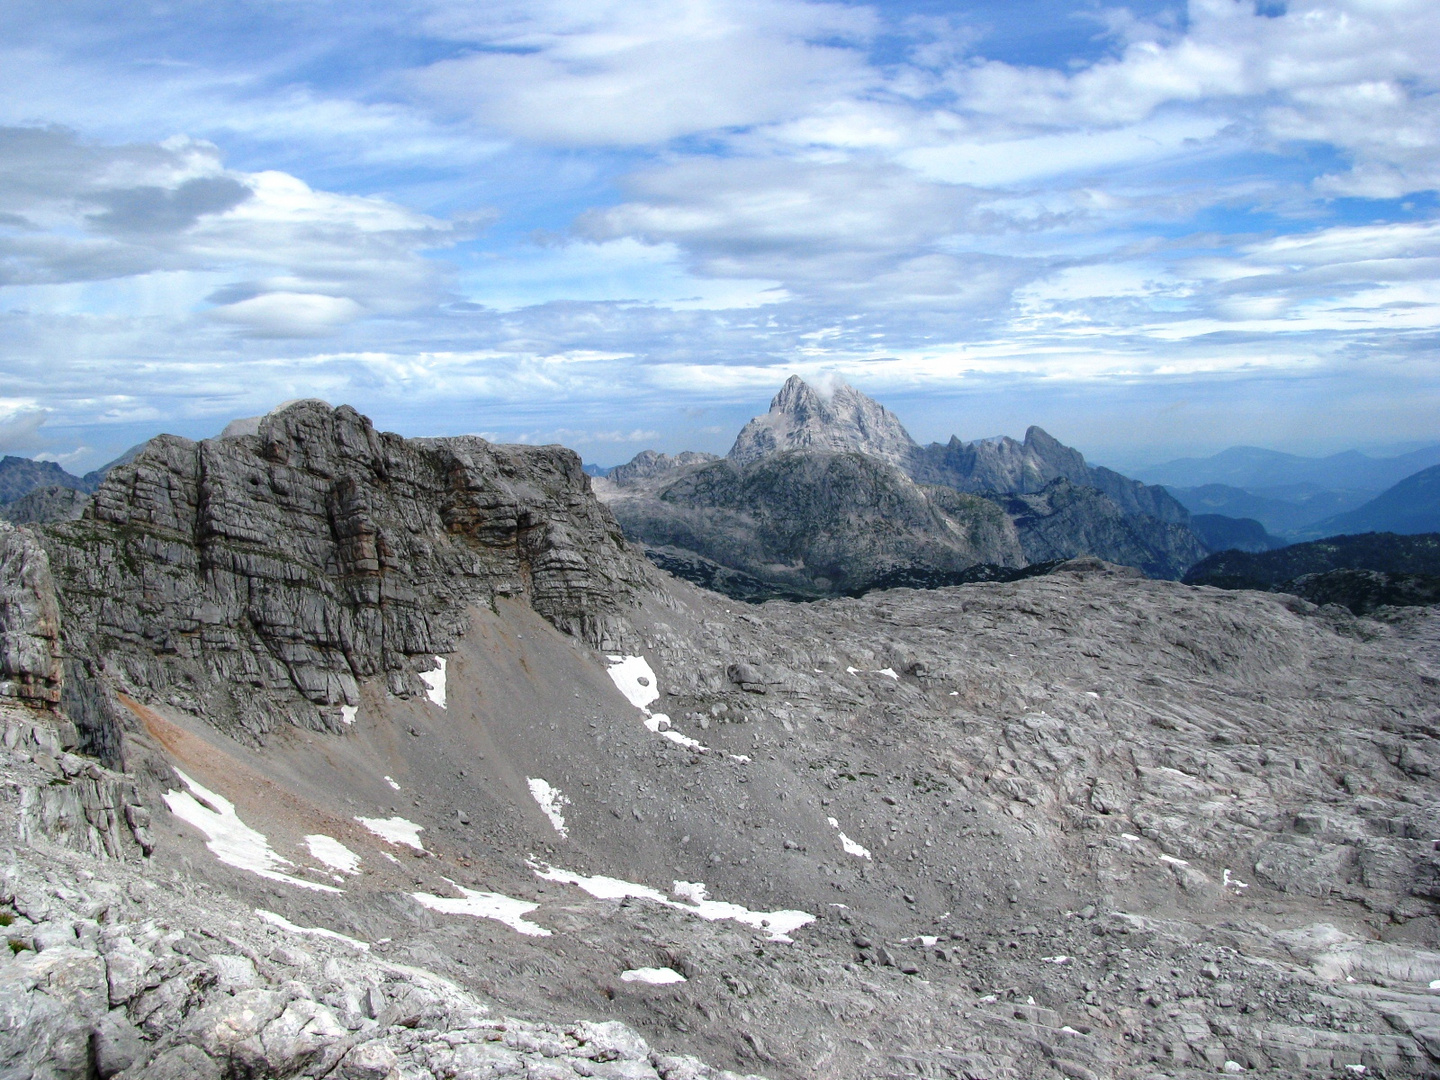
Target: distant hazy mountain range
pixel 1250 467
pixel 1298 498
pixel 828 494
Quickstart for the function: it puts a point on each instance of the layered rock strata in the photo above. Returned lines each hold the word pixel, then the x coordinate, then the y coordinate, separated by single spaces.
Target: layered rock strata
pixel 256 579
pixel 30 665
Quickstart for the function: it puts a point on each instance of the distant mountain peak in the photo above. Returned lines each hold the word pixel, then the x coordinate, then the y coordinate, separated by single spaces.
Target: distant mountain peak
pixel 838 419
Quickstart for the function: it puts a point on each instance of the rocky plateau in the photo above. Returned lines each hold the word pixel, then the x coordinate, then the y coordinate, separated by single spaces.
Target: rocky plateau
pixel 332 753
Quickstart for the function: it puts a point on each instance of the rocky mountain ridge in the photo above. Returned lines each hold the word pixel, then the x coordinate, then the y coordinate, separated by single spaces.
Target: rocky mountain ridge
pixel 828 494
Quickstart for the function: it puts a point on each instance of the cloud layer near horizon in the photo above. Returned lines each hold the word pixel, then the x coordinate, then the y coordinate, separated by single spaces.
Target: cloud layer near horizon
pixel 595 221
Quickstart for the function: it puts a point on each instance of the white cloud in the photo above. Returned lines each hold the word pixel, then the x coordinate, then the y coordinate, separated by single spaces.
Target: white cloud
pixel 1355 74
pixel 625 270
pixel 19 430
pixel 635 72
pixel 276 256
pixel 288 314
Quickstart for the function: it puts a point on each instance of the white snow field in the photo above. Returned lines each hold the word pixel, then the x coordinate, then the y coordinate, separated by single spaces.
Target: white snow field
pixel 654 976
pixel 551 802
pixel 333 853
pixel 396 830
pixel 435 682
pixel 229 839
pixel 776 924
pixel 850 846
pixel 486 905
pixel 313 931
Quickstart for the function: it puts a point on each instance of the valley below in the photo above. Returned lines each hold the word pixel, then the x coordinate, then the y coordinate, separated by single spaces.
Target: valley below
pixel 331 753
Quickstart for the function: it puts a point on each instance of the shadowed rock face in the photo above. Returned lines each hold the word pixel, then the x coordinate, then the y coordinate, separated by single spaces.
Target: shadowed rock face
pixel 1006 466
pixel 1064 520
pixel 54 503
pixel 648 463
pixel 817 523
pixel 255 579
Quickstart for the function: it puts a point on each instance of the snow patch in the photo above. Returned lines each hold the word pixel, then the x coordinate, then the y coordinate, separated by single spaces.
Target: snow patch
pixel 551 802
pixel 850 846
pixel 348 713
pixel 1173 861
pixel 314 931
pixel 1233 883
pixel 486 905
pixel 889 673
pixel 229 839
pixel 633 677
pixel 391 781
pixel 332 853
pixel 777 924
pixel 435 682
pixel 659 723
pixel 1055 959
pixel 396 830
pixel 654 976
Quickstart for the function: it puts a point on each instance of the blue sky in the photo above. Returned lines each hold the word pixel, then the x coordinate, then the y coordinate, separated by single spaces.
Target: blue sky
pixel 1155 229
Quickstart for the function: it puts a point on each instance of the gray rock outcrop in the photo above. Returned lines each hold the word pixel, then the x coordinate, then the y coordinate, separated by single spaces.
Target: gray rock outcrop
pixel 30 652
pixel 648 464
pixel 46 504
pixel 254 579
pixel 1064 520
pixel 1005 466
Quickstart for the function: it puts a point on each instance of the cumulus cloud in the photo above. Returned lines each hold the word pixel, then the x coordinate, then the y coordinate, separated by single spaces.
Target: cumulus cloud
pixel 1358 76
pixel 307 260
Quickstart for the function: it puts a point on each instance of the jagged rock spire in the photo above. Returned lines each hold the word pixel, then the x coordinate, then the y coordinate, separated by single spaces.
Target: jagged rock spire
pixel 802 417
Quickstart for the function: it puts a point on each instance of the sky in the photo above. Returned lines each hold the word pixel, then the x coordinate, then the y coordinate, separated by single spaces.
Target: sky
pixel 1155 229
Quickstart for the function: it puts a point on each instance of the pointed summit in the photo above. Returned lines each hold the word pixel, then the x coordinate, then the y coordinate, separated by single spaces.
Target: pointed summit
pixel 842 420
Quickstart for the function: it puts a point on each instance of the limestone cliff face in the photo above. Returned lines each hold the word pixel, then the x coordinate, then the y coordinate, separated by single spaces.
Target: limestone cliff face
pixel 255 579
pixel 30 661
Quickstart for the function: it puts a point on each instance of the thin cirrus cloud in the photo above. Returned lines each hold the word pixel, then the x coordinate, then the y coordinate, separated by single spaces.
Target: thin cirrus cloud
pixel 525 207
